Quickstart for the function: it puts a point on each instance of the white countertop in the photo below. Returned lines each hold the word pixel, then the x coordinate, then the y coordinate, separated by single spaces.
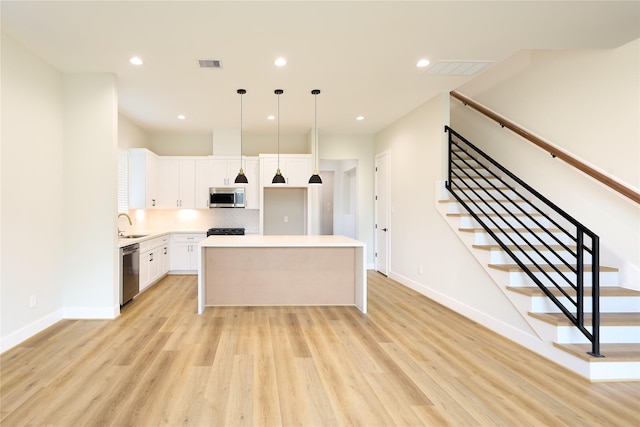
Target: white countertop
pixel 256 240
pixel 151 234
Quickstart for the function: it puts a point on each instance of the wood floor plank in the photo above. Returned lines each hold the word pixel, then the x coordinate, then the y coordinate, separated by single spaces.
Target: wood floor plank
pixel 408 362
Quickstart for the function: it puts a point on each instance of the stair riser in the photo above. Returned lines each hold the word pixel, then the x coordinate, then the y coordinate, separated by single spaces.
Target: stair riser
pixel 468 182
pixel 519 278
pixel 608 334
pixel 455 207
pixel 627 304
pixel 479 194
pixel 520 222
pixel 501 257
pixel 483 238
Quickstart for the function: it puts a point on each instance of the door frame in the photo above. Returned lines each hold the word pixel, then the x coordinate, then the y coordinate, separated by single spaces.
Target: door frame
pixel 387 155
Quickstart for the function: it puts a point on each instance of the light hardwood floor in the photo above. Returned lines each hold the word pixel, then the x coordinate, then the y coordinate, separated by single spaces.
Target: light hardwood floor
pixel 409 362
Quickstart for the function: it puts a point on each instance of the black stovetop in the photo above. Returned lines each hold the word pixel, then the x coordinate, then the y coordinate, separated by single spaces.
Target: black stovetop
pixel 225 231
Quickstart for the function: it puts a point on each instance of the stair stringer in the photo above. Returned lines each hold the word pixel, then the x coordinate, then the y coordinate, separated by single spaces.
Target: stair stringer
pixel 542 342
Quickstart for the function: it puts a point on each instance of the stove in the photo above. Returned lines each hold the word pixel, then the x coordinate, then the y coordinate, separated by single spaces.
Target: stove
pixel 225 232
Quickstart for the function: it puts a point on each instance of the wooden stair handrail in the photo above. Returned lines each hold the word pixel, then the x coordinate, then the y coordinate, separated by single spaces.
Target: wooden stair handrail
pixel 595 174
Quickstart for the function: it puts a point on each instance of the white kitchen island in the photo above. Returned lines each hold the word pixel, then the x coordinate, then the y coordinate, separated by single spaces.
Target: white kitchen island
pixel 255 270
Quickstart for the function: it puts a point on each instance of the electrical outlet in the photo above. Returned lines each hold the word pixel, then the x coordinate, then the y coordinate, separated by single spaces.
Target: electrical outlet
pixel 286 219
pixel 32 301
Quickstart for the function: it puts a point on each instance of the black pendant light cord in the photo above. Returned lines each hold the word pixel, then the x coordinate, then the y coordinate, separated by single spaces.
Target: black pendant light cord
pixel 315 178
pixel 241 178
pixel 278 178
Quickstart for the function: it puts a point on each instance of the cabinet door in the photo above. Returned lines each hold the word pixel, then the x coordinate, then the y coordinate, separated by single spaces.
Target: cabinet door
pixel 178 183
pixel 252 192
pixel 152 180
pixel 268 167
pixel 164 259
pixel 170 184
pixel 143 179
pixel 180 256
pixel 203 182
pixel 187 184
pixel 299 171
pixel 154 265
pixel 219 176
pixel 144 277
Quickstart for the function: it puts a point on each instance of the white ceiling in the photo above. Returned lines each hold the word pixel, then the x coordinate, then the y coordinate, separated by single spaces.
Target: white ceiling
pixel 360 54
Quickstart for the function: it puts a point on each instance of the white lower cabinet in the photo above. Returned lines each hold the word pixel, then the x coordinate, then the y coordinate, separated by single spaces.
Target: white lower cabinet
pixel 154 260
pixel 184 252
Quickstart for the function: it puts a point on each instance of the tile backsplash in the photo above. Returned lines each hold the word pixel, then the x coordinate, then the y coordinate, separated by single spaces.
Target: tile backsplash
pixel 194 219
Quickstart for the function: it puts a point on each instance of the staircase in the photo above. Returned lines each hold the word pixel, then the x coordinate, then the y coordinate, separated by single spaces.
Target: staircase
pixel 550 260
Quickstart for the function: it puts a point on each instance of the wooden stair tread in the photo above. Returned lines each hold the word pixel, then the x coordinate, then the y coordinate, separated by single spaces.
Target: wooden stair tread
pixel 479 200
pixel 612 352
pixel 526 247
pixel 534 214
pixel 561 267
pixel 605 291
pixel 606 319
pixel 521 230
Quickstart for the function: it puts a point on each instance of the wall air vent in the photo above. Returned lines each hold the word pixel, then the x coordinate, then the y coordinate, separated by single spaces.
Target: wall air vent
pixel 209 63
pixel 457 68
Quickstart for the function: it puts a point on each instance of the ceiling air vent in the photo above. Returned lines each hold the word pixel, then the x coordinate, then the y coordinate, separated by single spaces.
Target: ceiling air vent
pixel 209 63
pixel 457 68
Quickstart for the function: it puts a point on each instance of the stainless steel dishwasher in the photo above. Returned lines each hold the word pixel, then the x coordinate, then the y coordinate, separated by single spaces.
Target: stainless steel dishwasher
pixel 129 272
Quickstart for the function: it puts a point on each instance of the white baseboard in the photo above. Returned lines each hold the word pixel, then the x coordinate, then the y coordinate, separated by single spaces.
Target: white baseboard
pixel 517 335
pixel 30 330
pixel 91 312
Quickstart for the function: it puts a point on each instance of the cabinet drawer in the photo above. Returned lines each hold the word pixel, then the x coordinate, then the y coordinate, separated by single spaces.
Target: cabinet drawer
pixel 154 243
pixel 189 237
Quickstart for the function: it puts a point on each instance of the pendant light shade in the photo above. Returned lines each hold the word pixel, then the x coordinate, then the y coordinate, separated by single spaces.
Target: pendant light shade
pixel 278 178
pixel 241 178
pixel 315 178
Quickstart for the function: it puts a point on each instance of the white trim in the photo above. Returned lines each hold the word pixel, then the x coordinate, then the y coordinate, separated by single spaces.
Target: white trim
pixel 91 312
pixel 29 330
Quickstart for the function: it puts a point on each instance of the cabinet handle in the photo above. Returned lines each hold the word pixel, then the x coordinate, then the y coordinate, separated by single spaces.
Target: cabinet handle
pixel 165 251
pixel 153 202
pixel 151 257
pixel 177 203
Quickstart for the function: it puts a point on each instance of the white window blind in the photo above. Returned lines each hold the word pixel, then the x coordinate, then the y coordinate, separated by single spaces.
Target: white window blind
pixel 123 181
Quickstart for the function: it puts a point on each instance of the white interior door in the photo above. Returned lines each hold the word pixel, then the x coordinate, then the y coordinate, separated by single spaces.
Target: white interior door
pixel 382 220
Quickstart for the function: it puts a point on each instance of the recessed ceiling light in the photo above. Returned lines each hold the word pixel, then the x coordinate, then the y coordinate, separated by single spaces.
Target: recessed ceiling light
pixel 136 60
pixel 181 117
pixel 422 63
pixel 360 118
pixel 281 62
pixel 271 117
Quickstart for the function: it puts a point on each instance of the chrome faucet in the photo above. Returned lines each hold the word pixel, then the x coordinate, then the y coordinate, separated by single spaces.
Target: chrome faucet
pixel 121 232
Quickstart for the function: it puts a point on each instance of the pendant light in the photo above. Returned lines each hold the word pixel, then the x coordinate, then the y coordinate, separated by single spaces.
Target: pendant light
pixel 278 178
pixel 315 178
pixel 241 178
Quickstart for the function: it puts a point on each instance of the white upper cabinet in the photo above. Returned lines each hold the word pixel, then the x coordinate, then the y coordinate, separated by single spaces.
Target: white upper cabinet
pixel 144 188
pixel 224 171
pixel 252 172
pixel 296 169
pixel 178 183
pixel 203 182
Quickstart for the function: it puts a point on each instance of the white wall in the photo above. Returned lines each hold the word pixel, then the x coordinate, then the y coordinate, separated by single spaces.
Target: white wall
pixel 32 194
pixel 587 103
pixel 419 237
pixel 58 223
pixel 130 135
pixel 91 284
pixel 360 148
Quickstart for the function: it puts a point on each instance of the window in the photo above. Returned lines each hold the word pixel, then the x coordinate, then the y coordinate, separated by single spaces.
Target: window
pixel 123 181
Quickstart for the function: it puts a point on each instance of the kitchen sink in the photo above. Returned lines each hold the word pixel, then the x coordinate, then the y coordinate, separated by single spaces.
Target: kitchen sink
pixel 133 236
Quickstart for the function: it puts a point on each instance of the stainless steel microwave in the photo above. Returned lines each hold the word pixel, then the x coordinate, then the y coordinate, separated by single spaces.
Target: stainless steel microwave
pixel 226 197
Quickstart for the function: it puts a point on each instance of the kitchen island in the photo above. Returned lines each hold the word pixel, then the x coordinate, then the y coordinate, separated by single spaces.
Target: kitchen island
pixel 281 270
